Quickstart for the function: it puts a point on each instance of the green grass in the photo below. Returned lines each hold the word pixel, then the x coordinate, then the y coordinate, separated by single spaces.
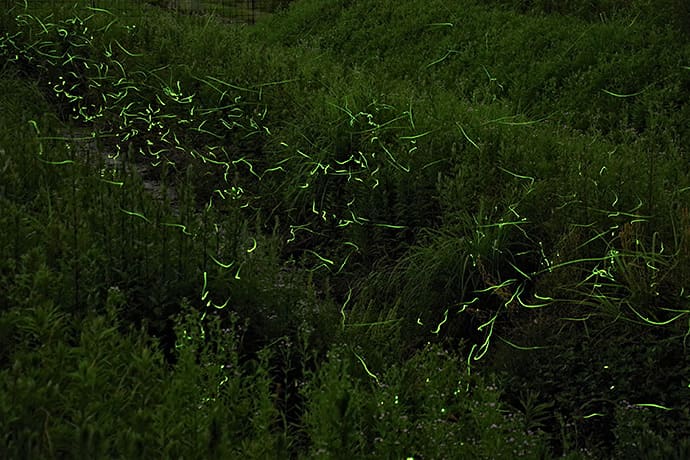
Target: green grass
pixel 398 231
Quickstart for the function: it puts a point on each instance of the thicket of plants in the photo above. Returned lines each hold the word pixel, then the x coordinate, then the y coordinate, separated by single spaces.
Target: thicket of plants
pixel 391 230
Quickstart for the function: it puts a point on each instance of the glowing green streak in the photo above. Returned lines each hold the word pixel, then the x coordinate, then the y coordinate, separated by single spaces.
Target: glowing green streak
pixel 45 30
pixel 119 184
pixel 57 163
pixel 503 224
pixel 272 83
pixel 220 263
pixel 570 262
pixel 541 305
pixel 515 123
pixel 491 79
pixel 251 168
pixel 433 163
pixel 220 307
pixel 595 414
pixel 183 227
pixel 294 228
pixel 448 53
pixel 277 168
pixel 125 51
pixel 627 214
pixel 490 322
pixel 135 214
pixel 655 323
pixel 610 93
pixel 378 127
pixel 675 309
pixel 476 299
pixel 515 295
pixel 655 406
pixel 69 59
pixel 375 323
pixel 366 369
pixel 393 161
pixel 485 346
pixel 342 265
pixel 92 8
pixel 323 259
pixel 35 126
pixel 223 83
pixel 409 114
pixel 531 179
pixel 253 247
pixel 438 328
pixel 497 287
pixel 416 136
pixel 342 309
pixel 62 138
pixel 519 271
pixel 469 364
pixel 517 346
pixel 466 136
pixel 204 292
pixel 357 220
pixel 397 227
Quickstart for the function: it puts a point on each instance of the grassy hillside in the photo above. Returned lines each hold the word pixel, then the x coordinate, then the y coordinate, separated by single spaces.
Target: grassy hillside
pixel 394 229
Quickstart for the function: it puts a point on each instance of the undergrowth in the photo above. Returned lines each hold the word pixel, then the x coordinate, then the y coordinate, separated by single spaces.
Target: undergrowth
pixel 349 231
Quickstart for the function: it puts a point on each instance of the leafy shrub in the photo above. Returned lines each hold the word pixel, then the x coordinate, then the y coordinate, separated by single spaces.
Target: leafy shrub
pixel 427 407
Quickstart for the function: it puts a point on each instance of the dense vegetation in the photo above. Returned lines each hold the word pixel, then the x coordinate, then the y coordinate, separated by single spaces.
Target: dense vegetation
pixel 356 229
